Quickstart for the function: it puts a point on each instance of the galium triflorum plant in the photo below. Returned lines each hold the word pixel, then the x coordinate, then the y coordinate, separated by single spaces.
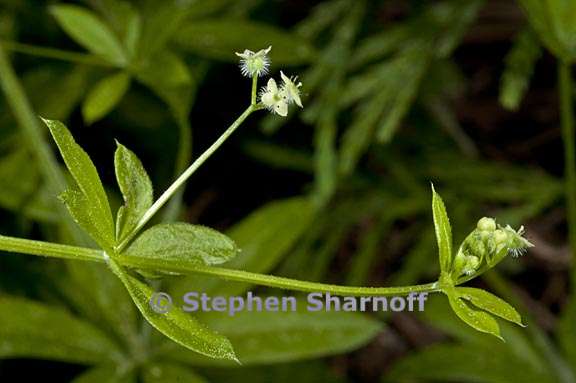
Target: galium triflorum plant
pixel 181 248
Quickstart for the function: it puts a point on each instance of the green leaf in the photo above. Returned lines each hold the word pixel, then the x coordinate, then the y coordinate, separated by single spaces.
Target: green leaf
pixel 89 31
pixel 476 319
pixel 519 343
pixel 182 328
pixel 92 197
pixel 219 39
pixel 264 337
pixel 136 189
pixel 34 330
pixel 104 97
pixel 108 374
pixel 463 363
pixel 79 207
pixel 443 231
pixel 68 83
pixel 168 76
pixel 491 303
pixel 161 20
pixel 270 232
pixel 20 191
pixel 407 90
pixel 170 372
pixel 97 294
pixel 166 68
pixel 520 63
pixel 127 21
pixel 189 244
pixel 265 236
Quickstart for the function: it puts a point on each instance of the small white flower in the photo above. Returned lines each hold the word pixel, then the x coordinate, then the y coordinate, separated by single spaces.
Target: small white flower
pixel 291 89
pixel 273 99
pixel 254 63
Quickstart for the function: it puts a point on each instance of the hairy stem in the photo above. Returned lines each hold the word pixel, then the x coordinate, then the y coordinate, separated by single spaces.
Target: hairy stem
pixel 161 201
pixel 46 249
pixel 567 119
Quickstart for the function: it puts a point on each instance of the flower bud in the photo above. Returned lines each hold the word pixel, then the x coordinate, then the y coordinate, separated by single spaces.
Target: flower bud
pixel 471 264
pixel 500 237
pixel 486 224
pixel 488 243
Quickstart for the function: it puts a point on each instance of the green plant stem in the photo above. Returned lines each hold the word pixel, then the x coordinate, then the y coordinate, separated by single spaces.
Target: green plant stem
pixel 27 246
pixel 565 86
pixel 57 54
pixel 48 249
pixel 254 90
pixel 274 281
pixel 161 201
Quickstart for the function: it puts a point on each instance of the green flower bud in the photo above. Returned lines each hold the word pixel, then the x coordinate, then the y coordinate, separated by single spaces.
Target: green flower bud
pixel 488 243
pixel 471 265
pixel 486 224
pixel 500 237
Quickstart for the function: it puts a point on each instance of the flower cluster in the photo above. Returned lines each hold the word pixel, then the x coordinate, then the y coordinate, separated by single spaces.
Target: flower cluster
pixel 489 243
pixel 276 99
pixel 273 97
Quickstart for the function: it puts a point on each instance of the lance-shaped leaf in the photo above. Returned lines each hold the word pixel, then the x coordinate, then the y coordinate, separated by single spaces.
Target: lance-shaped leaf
pixel 188 244
pixel 136 190
pixel 465 363
pixel 479 320
pixel 264 337
pixel 104 97
pixel 182 328
pixel 33 330
pixel 443 231
pixel 89 31
pixel 520 62
pixel 95 200
pixel 491 303
pixel 79 208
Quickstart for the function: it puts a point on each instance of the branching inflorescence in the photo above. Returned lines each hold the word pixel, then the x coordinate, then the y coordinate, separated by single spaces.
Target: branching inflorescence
pixel 182 248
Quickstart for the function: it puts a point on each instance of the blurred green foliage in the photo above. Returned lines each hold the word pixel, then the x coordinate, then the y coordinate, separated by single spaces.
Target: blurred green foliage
pixel 346 181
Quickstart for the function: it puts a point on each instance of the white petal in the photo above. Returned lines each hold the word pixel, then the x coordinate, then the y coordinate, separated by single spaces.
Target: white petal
pixel 272 87
pixel 267 98
pixel 281 108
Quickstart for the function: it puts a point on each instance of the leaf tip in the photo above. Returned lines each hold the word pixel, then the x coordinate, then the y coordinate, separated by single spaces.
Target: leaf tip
pixel 432 186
